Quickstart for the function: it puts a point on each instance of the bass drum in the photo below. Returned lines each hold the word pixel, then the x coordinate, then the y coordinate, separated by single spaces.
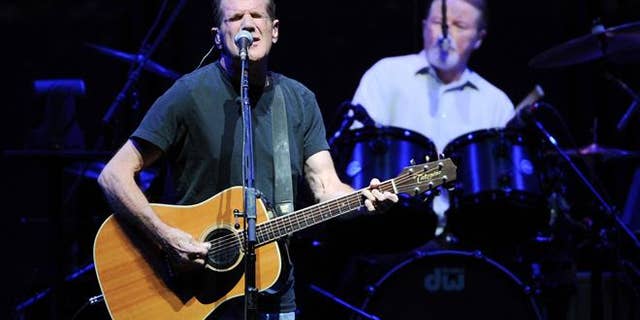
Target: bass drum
pixel 383 152
pixel 450 284
pixel 499 182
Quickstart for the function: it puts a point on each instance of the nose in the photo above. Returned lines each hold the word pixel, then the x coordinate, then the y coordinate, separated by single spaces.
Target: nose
pixel 247 23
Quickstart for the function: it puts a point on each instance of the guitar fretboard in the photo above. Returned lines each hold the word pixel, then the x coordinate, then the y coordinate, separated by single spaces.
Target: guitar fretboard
pixel 281 226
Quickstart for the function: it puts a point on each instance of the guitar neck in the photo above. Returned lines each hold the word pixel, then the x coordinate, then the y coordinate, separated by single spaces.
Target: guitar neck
pixel 298 220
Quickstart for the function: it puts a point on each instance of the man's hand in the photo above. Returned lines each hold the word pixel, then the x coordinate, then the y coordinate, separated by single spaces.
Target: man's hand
pixel 183 249
pixel 377 201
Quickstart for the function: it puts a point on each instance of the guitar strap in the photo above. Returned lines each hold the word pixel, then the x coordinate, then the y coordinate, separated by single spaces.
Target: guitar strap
pixel 283 190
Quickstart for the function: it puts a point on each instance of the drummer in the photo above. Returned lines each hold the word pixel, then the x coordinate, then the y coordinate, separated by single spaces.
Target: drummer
pixel 433 92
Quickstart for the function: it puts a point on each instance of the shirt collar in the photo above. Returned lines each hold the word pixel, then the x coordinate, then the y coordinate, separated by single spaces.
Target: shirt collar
pixel 466 79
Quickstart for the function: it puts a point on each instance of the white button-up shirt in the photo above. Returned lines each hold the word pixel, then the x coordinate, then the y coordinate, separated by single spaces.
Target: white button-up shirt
pixel 403 91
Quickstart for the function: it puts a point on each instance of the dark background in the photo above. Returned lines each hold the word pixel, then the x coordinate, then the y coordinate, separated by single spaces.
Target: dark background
pixel 327 45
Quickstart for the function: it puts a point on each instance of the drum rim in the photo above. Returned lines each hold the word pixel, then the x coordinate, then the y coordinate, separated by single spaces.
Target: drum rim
pixel 373 131
pixel 475 135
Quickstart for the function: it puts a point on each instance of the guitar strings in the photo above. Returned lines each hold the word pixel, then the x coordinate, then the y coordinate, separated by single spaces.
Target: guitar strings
pixel 222 244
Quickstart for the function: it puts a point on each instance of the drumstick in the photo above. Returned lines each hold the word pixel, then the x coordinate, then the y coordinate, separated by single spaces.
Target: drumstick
pixel 532 97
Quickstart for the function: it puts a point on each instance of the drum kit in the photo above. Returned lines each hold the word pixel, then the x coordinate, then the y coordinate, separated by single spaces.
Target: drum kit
pixel 502 180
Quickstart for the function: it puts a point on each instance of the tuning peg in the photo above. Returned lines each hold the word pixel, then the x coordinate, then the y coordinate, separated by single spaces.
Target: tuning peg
pixel 416 191
pixel 427 158
pixel 441 156
pixel 412 162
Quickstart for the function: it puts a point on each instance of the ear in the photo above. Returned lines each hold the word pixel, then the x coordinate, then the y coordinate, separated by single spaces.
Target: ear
pixel 275 31
pixel 478 42
pixel 216 38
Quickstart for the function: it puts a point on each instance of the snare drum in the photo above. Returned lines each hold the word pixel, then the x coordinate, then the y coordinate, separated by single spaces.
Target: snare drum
pixel 499 182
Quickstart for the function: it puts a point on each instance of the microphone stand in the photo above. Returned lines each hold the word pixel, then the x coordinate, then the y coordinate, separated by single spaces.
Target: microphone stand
pixel 250 195
pixel 596 273
pixel 444 24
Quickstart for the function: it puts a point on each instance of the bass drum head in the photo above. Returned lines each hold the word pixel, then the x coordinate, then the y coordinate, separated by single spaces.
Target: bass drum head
pixel 450 284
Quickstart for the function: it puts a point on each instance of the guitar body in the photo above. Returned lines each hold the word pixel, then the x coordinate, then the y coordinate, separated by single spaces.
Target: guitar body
pixel 137 281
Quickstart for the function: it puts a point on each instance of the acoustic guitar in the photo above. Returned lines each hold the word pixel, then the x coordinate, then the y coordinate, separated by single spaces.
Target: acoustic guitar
pixel 138 282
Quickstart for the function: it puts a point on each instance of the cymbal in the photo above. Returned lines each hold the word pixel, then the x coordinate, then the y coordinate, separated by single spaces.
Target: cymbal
pixel 150 65
pixel 620 44
pixel 597 150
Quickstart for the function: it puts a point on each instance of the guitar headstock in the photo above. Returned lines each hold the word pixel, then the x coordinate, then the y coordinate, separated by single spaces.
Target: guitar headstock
pixel 420 178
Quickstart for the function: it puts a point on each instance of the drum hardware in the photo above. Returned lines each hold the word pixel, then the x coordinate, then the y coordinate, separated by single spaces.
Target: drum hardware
pixel 600 152
pixel 618 44
pixel 610 221
pixel 596 150
pixel 623 122
pixel 608 209
pixel 149 65
pixel 58 156
pixel 343 303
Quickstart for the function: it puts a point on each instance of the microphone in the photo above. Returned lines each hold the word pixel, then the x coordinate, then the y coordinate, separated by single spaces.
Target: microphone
pixel 444 42
pixel 524 115
pixel 361 114
pixel 355 112
pixel 243 40
pixel 526 107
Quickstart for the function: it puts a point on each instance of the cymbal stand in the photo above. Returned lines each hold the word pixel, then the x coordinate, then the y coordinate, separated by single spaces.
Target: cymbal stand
pixel 608 209
pixel 596 273
pixel 145 53
pixel 134 74
pixel 623 122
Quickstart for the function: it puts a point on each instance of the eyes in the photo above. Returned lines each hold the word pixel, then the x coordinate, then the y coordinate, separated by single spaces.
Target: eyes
pixel 240 15
pixel 461 25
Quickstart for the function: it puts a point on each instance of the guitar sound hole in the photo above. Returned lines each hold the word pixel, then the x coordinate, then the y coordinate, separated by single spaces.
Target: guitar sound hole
pixel 225 248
